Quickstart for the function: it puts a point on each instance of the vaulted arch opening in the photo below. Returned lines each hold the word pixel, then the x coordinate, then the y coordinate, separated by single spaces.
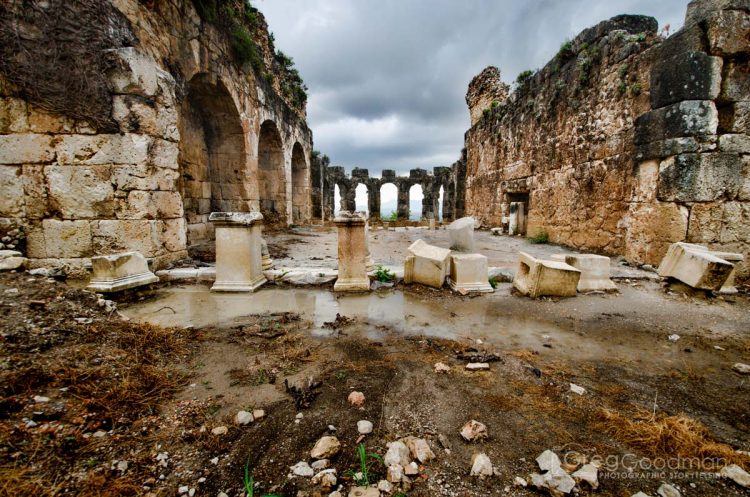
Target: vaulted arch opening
pixel 388 202
pixel 361 199
pixel 300 185
pixel 415 202
pixel 271 177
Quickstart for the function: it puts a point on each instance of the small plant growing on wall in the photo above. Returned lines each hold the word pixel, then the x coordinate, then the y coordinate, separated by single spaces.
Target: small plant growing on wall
pixel 635 90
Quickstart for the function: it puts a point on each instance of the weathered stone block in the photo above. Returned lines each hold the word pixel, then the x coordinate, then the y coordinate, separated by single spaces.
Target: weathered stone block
pixel 735 86
pixel 729 32
pixel 699 177
pixel 12 196
pixel 701 10
pixel 11 260
pixel 117 272
pixel 80 192
pixel 143 177
pixel 468 273
pixel 733 258
pixel 427 264
pixel 536 278
pixel 140 115
pixel 594 271
pixel 687 76
pixel 238 251
pixel 150 205
pixel 352 252
pixel 695 266
pixel 64 239
pixel 13 116
pixel 461 233
pixel 103 149
pixel 126 235
pixel 136 73
pixel 173 235
pixel 690 38
pixel 41 121
pixel 667 148
pixel 164 153
pixel 688 118
pixel 735 143
pixel 26 148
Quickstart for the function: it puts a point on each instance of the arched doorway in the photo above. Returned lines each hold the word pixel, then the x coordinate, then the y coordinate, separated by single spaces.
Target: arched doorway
pixel 361 199
pixel 300 185
pixel 212 155
pixel 441 199
pixel 271 178
pixel 388 202
pixel 415 202
pixel 336 200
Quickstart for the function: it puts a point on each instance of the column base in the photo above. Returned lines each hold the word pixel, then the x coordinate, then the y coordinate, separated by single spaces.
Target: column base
pixel 471 287
pixel 352 285
pixel 125 283
pixel 239 286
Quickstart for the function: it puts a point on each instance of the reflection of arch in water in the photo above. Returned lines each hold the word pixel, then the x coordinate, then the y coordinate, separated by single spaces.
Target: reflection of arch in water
pixel 416 196
pixel 361 199
pixel 271 177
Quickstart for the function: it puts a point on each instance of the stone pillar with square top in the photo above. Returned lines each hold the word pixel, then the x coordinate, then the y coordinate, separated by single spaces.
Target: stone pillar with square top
pixel 352 256
pixel 468 273
pixel 238 251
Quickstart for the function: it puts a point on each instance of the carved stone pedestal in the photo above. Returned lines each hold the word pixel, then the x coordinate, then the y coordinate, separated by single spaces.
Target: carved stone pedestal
pixel 352 252
pixel 238 251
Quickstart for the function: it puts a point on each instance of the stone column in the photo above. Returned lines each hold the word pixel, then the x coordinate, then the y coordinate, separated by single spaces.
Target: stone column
pixel 238 251
pixel 402 203
pixel 428 203
pixel 352 253
pixel 373 201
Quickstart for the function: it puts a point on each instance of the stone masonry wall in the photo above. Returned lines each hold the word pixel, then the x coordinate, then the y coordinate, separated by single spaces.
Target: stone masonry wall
pixel 188 143
pixel 625 142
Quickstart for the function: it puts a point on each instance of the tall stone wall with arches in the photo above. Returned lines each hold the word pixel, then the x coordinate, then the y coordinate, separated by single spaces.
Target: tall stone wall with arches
pixel 196 133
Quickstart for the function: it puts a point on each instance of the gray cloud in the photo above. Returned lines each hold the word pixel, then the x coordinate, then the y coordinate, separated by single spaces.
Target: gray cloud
pixel 387 79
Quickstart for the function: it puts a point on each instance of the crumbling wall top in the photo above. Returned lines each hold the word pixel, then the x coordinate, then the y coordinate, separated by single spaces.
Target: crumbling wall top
pixel 486 87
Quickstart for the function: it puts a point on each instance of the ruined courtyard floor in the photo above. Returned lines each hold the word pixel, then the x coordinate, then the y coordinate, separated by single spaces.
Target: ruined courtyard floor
pixel 175 362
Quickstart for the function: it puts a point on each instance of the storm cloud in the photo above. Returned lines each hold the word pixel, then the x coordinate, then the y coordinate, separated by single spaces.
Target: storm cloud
pixel 387 79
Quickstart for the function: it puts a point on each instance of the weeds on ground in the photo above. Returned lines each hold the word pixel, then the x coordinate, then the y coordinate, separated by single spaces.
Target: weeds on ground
pixel 539 238
pixel 493 282
pixel 383 275
pixel 393 216
pixel 362 477
pixel 250 483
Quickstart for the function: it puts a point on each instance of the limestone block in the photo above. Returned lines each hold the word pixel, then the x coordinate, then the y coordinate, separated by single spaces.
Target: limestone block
pixel 150 205
pixel 735 87
pixel 536 278
pixel 701 10
pixel 13 116
pixel 126 148
pixel 735 143
pixel 461 232
pixel 238 251
pixel 594 271
pixel 687 76
pixel 687 118
pixel 352 252
pixel 35 192
pixel 427 264
pixel 11 259
pixel 728 32
pixel 117 272
pixel 41 121
pixel 164 153
pixel 699 177
pixel 468 273
pixel 126 235
pixel 143 177
pixel 80 192
pixel 12 197
pixel 695 266
pixel 26 148
pixel 136 73
pixel 136 114
pixel 173 234
pixel 736 259
pixel 64 239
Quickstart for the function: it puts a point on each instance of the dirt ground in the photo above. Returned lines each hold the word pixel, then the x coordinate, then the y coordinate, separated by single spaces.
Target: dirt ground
pixel 133 394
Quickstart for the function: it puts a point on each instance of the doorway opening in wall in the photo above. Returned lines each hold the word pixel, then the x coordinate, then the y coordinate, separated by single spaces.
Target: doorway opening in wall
pixel 336 200
pixel 415 202
pixel 441 198
pixel 271 177
pixel 361 199
pixel 518 212
pixel 388 202
pixel 300 185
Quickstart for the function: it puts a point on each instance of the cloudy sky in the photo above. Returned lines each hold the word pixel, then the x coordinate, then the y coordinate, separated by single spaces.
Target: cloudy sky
pixel 387 78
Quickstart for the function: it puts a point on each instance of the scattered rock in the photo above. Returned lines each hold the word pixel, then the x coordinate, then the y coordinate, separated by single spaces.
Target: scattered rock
pixel 640 494
pixel 40 400
pixel 357 399
pixel 302 469
pixel 481 465
pixel 326 479
pixel 220 430
pixel 320 464
pixel 122 466
pixel 736 474
pixel 442 368
pixel 577 389
pixel 243 418
pixel 474 430
pixel 259 414
pixel 444 442
pixel 548 461
pixel 420 449
pixel 667 490
pixel 397 454
pixel 673 338
pixel 325 448
pixel 411 469
pixel 364 492
pixel 478 366
pixel 385 486
pixel 395 473
pixel 183 490
pixel 557 481
pixel 742 368
pixel 11 259
pixel 588 473
pixel 520 482
pixel 364 427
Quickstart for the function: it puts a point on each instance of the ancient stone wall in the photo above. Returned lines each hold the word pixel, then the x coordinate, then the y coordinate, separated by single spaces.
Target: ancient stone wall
pixel 196 132
pixel 626 142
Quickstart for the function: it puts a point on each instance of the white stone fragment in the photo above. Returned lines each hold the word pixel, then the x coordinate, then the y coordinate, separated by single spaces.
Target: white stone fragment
pixel 302 469
pixel 397 454
pixel 588 473
pixel 478 366
pixel 741 368
pixel 442 368
pixel 695 266
pixel 325 448
pixel 481 465
pixel 364 427
pixel 548 461
pixel 577 389
pixel 736 474
pixel 117 272
pixel 474 430
pixel 461 232
pixel 427 264
pixel 419 449
pixel 667 490
pixel 243 418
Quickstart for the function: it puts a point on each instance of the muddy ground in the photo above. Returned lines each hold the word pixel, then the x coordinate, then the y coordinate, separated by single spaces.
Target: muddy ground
pixel 131 406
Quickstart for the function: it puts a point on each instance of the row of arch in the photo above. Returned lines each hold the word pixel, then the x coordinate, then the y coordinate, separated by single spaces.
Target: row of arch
pixel 388 201
pixel 218 170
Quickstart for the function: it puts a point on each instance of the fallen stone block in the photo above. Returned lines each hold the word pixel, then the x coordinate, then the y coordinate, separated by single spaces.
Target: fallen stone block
pixel 117 272
pixel 695 266
pixel 535 277
pixel 468 273
pixel 461 232
pixel 594 271
pixel 427 264
pixel 11 259
pixel 728 286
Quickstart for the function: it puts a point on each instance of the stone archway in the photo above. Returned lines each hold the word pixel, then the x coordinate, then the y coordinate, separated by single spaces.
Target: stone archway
pixel 212 156
pixel 271 177
pixel 300 185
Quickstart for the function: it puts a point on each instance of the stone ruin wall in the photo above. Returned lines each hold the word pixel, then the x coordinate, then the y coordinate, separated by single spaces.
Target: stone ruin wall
pixel 444 177
pixel 196 133
pixel 627 142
